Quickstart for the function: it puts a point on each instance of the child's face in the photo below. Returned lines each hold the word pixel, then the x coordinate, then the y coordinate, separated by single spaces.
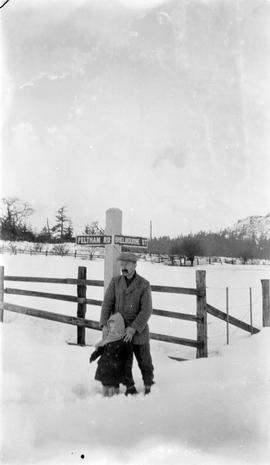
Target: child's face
pixel 112 327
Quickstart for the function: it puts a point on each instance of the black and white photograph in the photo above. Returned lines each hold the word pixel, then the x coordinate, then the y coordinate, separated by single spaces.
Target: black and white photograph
pixel 135 232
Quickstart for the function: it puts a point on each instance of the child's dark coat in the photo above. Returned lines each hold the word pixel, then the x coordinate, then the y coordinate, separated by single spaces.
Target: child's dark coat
pixel 115 363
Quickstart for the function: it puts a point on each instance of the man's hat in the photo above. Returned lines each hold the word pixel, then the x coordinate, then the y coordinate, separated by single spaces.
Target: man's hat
pixel 127 257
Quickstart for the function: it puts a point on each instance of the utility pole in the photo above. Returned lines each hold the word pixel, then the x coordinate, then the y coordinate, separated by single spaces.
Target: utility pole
pixel 150 242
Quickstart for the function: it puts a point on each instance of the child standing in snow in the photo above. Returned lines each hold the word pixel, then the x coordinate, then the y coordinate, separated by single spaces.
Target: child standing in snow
pixel 115 362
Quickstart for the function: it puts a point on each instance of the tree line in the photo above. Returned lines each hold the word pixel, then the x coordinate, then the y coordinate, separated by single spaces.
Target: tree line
pixel 208 244
pixel 15 226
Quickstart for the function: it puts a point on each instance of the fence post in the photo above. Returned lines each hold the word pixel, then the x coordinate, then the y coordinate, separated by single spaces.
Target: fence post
pixel 265 302
pixel 81 309
pixel 227 313
pixel 201 313
pixel 2 276
pixel 250 309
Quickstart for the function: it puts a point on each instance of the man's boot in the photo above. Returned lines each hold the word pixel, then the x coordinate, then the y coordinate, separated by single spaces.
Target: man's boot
pixel 147 390
pixel 131 390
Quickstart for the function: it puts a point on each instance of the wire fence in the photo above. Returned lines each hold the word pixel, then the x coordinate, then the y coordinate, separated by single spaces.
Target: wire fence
pixel 60 252
pixel 63 250
pixel 243 317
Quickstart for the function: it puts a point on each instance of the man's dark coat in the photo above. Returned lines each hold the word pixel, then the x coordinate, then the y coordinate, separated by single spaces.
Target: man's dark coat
pixel 134 302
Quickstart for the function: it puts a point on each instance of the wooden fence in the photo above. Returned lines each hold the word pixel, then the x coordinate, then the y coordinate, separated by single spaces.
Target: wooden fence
pixel 200 318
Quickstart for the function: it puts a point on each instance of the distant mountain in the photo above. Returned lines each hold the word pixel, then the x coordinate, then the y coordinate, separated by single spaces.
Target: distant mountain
pixel 252 226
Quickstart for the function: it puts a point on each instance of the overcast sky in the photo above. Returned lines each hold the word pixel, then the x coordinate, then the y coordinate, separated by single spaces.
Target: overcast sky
pixel 158 108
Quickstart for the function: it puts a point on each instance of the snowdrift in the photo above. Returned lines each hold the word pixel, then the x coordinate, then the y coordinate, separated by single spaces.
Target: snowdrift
pixel 207 411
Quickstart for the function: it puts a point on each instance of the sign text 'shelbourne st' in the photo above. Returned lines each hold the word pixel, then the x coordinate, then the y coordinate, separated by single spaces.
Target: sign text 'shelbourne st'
pixel 131 241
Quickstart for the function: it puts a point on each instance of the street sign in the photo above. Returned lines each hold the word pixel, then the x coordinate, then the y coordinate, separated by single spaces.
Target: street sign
pixel 100 240
pixel 131 241
pixel 95 240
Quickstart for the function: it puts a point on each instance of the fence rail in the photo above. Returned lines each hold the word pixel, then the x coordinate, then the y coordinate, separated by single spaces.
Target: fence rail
pixel 200 318
pixel 231 319
pixel 175 290
pixel 85 323
pixel 53 316
pixel 82 301
pixel 29 279
pixel 71 298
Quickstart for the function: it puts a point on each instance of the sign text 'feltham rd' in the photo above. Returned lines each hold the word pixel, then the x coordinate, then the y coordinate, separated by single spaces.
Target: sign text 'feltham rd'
pixel 101 240
pixel 94 240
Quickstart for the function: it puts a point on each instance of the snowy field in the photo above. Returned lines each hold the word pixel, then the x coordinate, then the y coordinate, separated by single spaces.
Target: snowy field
pixel 208 411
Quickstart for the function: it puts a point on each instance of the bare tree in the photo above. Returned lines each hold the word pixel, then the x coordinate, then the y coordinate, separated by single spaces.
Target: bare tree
pixel 93 228
pixel 190 247
pixel 14 217
pixel 187 246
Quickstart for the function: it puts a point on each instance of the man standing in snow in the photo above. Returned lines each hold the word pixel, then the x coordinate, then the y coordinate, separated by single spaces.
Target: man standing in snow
pixel 130 295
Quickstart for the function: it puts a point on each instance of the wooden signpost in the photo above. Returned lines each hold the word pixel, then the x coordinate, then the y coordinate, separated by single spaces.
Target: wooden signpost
pixel 112 251
pixel 112 240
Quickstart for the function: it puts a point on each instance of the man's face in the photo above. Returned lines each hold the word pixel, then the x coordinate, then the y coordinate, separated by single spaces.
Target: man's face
pixel 128 268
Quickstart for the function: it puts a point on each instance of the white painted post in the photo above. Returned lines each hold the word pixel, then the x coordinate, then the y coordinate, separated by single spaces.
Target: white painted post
pixel 2 274
pixel 112 251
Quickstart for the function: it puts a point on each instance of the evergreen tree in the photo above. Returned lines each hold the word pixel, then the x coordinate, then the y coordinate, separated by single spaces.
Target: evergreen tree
pixel 60 229
pixel 68 235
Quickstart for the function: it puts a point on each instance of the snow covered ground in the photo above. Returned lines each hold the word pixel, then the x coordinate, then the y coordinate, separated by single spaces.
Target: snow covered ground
pixel 208 411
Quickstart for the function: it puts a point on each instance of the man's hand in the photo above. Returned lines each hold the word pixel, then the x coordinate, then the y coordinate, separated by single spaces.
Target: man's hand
pixel 129 334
